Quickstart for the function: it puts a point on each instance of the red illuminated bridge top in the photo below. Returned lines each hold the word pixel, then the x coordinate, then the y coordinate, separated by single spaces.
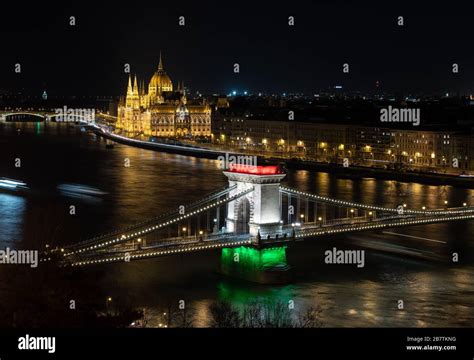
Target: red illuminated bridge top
pixel 256 169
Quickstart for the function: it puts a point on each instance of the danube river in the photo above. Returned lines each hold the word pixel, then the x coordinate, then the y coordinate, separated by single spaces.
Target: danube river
pixel 60 161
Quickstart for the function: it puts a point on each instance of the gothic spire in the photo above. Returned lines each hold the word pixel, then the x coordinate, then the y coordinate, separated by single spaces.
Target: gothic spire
pixel 160 65
pixel 129 89
pixel 135 85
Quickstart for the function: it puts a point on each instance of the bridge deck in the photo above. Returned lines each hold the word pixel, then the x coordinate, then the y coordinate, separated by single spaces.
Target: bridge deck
pixel 121 246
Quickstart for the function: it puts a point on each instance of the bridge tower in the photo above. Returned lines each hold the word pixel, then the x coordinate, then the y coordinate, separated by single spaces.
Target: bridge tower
pixel 261 208
pixel 259 214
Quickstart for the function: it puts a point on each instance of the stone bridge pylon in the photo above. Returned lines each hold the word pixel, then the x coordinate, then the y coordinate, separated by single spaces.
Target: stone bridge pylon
pixel 260 210
pixel 259 214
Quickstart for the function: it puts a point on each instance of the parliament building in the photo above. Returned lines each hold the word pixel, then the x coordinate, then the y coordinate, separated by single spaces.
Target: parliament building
pixel 162 111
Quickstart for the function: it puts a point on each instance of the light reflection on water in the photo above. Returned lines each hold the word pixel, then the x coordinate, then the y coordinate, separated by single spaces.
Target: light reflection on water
pixel 434 294
pixel 12 209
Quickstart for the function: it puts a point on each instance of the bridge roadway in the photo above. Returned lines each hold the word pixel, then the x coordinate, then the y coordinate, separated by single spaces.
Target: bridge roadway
pixel 163 248
pixel 181 245
pixel 121 244
pixel 377 224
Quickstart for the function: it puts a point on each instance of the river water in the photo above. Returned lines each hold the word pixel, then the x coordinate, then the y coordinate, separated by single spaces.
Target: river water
pixel 435 293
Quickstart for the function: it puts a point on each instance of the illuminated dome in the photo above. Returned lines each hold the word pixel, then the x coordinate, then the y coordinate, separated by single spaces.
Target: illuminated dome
pixel 160 80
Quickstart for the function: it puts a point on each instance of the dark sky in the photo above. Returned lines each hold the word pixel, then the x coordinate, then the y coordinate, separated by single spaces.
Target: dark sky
pixel 88 59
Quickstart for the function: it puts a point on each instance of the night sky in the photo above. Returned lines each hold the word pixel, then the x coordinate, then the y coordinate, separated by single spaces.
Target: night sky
pixel 88 59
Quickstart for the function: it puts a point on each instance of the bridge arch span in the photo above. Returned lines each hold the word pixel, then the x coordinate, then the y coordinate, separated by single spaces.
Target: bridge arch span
pixel 5 116
pixel 243 208
pixel 48 116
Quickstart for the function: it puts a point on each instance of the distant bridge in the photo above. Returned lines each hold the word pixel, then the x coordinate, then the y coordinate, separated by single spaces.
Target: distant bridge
pixel 81 115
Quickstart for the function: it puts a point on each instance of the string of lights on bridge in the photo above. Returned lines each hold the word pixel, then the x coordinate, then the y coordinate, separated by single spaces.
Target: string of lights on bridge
pixel 301 233
pixel 206 199
pixel 158 226
pixel 304 234
pixel 376 208
pixel 164 252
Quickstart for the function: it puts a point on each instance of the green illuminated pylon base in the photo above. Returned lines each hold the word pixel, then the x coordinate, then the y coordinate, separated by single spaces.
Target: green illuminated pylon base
pixel 265 266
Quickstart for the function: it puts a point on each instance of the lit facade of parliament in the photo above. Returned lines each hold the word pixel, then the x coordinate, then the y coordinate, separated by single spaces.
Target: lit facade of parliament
pixel 162 111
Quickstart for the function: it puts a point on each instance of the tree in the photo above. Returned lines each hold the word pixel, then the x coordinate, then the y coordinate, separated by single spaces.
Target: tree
pixel 262 314
pixel 223 315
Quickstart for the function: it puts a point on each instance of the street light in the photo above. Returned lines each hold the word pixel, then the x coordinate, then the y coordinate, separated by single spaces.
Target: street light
pixel 108 300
